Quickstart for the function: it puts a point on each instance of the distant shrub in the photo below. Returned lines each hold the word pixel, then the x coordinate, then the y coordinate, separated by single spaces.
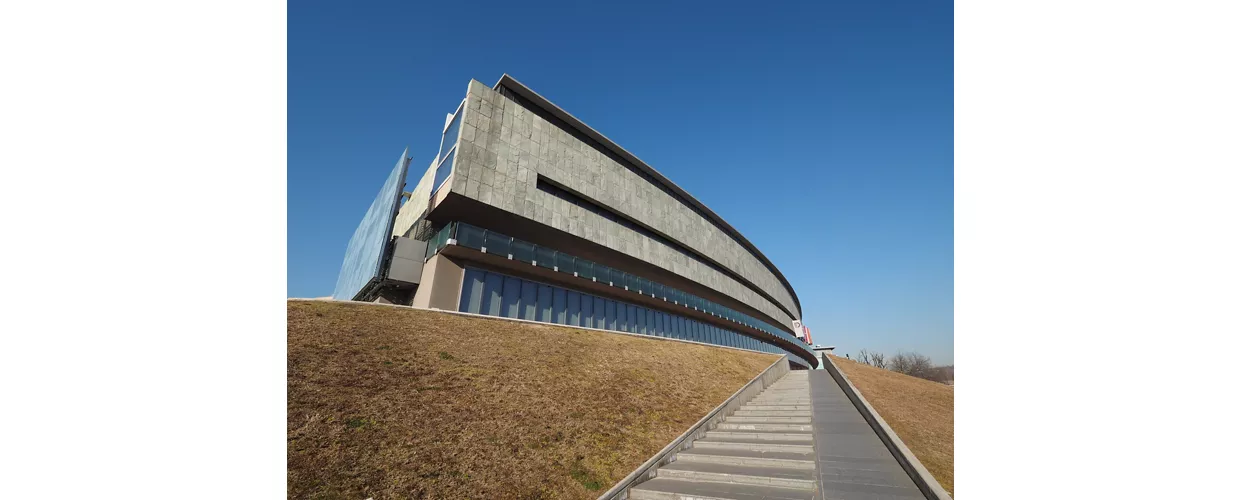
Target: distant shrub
pixel 913 364
pixel 908 363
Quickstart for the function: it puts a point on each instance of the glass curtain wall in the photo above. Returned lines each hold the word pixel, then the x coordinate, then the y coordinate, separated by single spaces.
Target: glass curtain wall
pixel 495 294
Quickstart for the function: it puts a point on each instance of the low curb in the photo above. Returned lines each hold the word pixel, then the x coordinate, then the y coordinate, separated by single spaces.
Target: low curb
pixel 925 482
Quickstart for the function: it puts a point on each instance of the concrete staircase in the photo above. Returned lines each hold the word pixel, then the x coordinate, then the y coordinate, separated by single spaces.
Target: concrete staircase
pixel 765 450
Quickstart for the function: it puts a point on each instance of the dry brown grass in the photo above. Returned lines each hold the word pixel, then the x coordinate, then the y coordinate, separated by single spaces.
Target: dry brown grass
pixel 390 402
pixel 920 411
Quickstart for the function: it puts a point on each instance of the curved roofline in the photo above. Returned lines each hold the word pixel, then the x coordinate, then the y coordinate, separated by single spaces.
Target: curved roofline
pixel 516 86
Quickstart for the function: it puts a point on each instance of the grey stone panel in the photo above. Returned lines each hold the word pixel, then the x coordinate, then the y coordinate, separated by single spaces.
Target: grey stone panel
pixel 503 149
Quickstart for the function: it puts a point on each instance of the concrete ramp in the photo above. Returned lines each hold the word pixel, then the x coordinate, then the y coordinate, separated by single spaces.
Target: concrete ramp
pixel 852 461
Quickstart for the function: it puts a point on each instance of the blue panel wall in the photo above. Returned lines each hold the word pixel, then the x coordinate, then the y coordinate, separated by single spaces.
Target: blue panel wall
pixel 494 294
pixel 369 243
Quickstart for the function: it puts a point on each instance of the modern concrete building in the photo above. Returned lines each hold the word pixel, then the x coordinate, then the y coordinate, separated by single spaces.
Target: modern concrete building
pixel 527 212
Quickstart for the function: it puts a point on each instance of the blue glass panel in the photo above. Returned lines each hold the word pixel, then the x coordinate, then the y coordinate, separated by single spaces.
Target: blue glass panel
pixel 471 291
pixel 631 317
pixel 497 244
pixel 493 288
pixel 612 317
pixel 622 317
pixel 559 313
pixel 585 269
pixel 451 134
pixel 641 321
pixel 600 313
pixel 544 304
pixel 442 171
pixel 470 236
pixel 512 297
pixel 368 246
pixel 523 251
pixel 529 299
pixel 564 262
pixel 545 257
pixel 587 311
pixel 574 308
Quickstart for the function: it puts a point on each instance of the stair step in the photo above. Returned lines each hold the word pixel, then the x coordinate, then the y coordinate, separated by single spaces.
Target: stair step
pixel 804 437
pixel 782 477
pixel 725 425
pixel 661 488
pixel 801 447
pixel 770 413
pixel 749 406
pixel 748 457
pixel 738 419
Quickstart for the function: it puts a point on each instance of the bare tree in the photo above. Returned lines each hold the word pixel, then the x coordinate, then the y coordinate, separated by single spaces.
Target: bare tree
pixel 945 374
pixel 911 363
pixel 864 356
pixel 878 360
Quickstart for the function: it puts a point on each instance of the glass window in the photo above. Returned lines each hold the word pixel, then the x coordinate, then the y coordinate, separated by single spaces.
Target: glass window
pixel 631 317
pixel 544 304
pixel 512 297
pixel 560 306
pixel 612 316
pixel 493 289
pixel 587 311
pixel 529 299
pixel 451 134
pixel 471 291
pixel 574 308
pixel 442 171
pixel 600 312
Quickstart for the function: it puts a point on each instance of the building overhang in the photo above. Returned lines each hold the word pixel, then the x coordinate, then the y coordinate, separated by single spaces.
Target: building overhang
pixel 510 83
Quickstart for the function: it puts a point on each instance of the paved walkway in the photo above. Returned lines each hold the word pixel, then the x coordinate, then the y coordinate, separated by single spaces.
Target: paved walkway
pixel 852 462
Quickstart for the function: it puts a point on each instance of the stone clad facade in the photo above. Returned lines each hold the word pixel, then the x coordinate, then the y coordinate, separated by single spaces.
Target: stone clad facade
pixel 503 149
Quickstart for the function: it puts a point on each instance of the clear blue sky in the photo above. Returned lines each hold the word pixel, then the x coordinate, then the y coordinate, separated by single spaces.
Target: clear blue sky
pixel 821 130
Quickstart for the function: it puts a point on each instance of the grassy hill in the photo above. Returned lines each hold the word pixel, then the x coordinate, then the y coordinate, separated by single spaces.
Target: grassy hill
pixel 389 402
pixel 920 411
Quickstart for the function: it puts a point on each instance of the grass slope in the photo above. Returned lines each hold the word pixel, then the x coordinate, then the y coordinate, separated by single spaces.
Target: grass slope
pixel 389 402
pixel 920 411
